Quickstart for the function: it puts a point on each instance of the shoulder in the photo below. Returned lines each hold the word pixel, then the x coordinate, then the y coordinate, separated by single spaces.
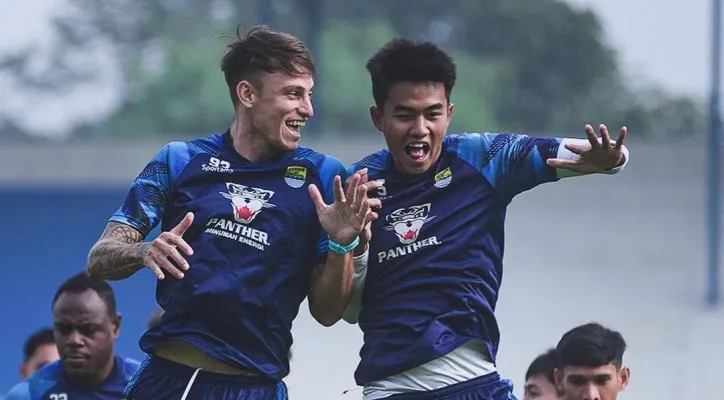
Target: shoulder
pixel 174 156
pixel 21 391
pixel 211 145
pixel 326 166
pixel 129 366
pixel 37 384
pixel 375 163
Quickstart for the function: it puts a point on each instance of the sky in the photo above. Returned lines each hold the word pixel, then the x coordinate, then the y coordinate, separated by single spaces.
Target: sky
pixel 667 44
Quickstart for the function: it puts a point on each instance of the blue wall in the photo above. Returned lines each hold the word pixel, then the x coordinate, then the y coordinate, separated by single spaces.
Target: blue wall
pixel 45 235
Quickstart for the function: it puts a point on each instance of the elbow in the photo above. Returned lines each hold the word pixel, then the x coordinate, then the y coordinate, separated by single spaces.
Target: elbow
pixel 326 319
pixel 326 316
pixel 91 265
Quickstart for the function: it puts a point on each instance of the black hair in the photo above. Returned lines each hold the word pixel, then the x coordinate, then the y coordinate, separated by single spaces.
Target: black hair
pixel 81 282
pixel 591 345
pixel 543 365
pixel 41 337
pixel 407 60
pixel 264 50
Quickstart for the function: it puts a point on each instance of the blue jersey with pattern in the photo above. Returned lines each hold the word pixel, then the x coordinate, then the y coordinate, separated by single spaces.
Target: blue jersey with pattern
pixel 435 264
pixel 50 383
pixel 255 235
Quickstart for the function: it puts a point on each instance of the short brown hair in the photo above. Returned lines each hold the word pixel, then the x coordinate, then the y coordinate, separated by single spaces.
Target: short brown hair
pixel 264 50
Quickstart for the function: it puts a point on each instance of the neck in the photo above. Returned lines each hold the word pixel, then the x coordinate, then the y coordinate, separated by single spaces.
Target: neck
pixel 248 142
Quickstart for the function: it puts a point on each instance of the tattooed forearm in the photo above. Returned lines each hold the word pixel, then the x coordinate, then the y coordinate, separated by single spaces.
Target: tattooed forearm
pixel 118 254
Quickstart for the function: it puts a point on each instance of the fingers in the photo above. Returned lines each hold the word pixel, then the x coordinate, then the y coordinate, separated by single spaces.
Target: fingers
pixel 576 148
pixel 364 209
pixel 560 163
pixel 151 264
pixel 184 225
pixel 363 177
pixel 164 263
pixel 621 137
pixel 338 190
pixel 592 138
pixel 352 185
pixel 316 197
pixel 375 204
pixel 605 137
pixel 176 241
pixel 373 185
pixel 358 197
pixel 171 252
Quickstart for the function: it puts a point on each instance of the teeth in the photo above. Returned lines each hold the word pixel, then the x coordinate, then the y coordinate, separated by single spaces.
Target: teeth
pixel 296 123
pixel 418 145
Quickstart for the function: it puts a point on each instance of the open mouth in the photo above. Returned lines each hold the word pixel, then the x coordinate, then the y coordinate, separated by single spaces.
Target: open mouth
pixel 295 125
pixel 417 151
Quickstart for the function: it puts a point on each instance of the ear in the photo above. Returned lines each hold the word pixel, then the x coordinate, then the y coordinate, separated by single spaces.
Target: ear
pixel 450 109
pixel 245 92
pixel 624 376
pixel 558 378
pixel 376 115
pixel 116 325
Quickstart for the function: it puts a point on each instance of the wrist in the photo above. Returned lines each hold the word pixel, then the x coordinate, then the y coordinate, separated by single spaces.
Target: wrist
pixel 341 248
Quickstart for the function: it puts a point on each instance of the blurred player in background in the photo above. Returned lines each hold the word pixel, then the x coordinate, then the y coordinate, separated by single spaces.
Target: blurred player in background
pixel 590 363
pixel 245 232
pixel 86 325
pixel 435 258
pixel 539 381
pixel 39 349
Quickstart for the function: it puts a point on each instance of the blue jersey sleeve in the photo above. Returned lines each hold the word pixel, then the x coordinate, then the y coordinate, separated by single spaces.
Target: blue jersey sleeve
pixel 512 163
pixel 152 189
pixel 21 391
pixel 328 170
pixel 130 367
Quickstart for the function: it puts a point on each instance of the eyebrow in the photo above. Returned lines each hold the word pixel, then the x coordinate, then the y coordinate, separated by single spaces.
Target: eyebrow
pixel 436 106
pixel 295 87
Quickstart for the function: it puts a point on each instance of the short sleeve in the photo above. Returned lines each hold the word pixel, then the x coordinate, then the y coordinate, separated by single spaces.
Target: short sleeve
pixel 512 163
pixel 21 391
pixel 151 191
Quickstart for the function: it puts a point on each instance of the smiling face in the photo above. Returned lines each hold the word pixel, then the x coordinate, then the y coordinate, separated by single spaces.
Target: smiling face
pixel 278 106
pixel 414 121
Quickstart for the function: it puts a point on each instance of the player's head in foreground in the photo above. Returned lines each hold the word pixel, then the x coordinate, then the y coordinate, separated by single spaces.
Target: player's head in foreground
pixel 539 381
pixel 86 326
pixel 411 85
pixel 39 349
pixel 590 363
pixel 270 76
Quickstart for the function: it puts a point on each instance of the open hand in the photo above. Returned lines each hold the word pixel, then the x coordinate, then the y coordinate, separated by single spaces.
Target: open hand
pixel 165 249
pixel 594 156
pixel 346 217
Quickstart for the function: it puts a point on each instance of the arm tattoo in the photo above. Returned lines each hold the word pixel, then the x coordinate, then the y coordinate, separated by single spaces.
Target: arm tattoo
pixel 118 254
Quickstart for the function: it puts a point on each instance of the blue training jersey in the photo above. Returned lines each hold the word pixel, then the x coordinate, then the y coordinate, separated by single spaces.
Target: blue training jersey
pixel 255 235
pixel 435 264
pixel 50 383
